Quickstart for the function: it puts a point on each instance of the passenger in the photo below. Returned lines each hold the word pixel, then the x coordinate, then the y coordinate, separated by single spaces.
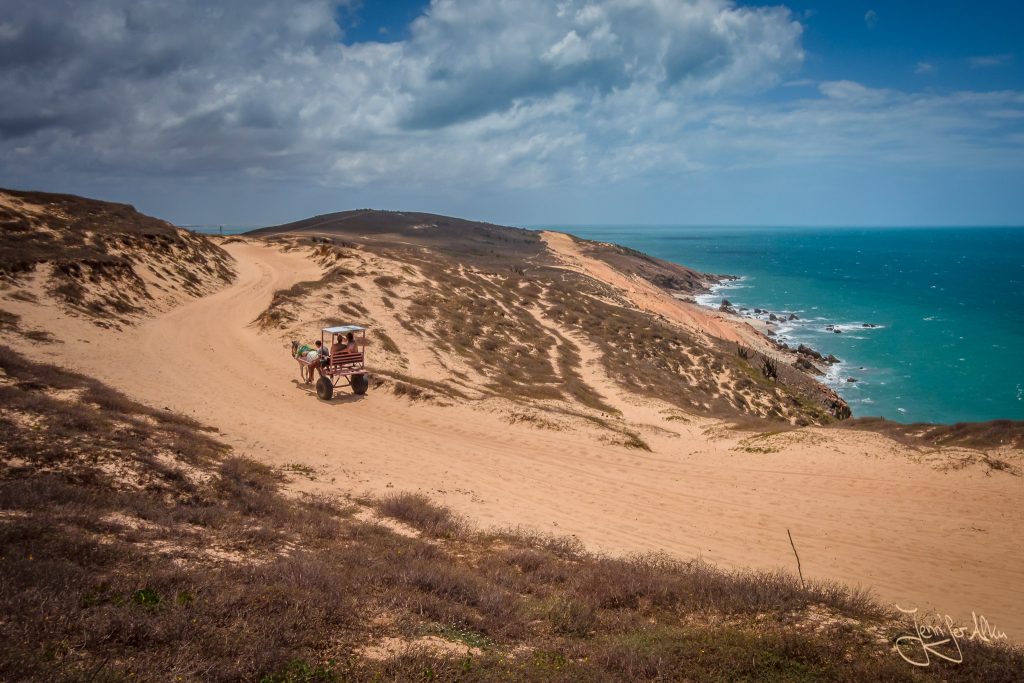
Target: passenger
pixel 337 346
pixel 345 344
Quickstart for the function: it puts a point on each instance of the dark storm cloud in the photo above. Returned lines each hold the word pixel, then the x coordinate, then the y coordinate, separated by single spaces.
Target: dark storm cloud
pixel 19 126
pixel 36 43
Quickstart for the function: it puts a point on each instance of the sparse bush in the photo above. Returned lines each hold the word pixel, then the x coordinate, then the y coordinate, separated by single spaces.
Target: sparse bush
pixel 387 283
pixel 633 440
pixel 386 342
pixel 572 616
pixel 418 511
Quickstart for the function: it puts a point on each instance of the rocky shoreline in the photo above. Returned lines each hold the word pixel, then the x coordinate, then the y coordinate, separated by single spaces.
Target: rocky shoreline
pixel 807 358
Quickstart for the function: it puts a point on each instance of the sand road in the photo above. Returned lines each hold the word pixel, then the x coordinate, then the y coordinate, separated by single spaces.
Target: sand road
pixel 860 511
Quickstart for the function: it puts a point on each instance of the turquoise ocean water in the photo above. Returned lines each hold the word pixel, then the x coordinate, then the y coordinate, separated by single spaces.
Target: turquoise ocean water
pixel 948 304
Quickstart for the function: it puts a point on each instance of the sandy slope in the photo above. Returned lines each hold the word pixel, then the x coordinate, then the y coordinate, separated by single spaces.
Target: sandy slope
pixel 860 509
pixel 652 299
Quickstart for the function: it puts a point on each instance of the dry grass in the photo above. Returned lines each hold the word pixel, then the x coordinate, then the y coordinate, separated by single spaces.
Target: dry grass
pixel 416 388
pixel 135 547
pixel 418 511
pixel 386 342
pixel 652 358
pixel 279 313
pixel 980 435
pixel 95 251
pixel 485 310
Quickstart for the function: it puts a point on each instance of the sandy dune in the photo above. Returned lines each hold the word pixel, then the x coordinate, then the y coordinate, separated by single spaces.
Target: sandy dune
pixel 861 509
pixel 652 299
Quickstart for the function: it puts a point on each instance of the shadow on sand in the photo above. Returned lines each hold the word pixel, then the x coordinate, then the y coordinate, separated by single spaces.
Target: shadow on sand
pixel 342 395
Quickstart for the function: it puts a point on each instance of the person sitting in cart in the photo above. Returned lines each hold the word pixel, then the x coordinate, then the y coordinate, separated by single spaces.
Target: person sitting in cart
pixel 348 346
pixel 337 345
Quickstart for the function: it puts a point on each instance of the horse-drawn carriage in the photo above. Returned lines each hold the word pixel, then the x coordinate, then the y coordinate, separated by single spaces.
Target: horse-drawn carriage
pixel 342 365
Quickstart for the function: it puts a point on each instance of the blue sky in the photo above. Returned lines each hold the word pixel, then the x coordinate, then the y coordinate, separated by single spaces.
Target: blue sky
pixel 526 112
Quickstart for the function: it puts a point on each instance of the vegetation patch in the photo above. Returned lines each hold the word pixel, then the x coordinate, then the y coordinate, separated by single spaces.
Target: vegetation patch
pixel 93 252
pixel 419 512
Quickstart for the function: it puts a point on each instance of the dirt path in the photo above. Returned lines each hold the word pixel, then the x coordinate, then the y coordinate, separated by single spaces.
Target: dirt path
pixel 859 509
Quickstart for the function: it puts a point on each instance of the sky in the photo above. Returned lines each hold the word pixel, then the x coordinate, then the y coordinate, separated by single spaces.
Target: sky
pixel 523 112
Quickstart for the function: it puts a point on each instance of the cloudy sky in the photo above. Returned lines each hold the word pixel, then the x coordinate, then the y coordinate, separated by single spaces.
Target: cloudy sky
pixel 254 112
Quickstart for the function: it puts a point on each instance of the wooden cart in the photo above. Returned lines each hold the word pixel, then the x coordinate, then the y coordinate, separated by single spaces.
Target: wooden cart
pixel 341 367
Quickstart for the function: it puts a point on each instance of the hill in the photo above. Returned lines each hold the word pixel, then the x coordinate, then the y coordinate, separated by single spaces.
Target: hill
pixel 483 243
pixel 507 310
pixel 102 260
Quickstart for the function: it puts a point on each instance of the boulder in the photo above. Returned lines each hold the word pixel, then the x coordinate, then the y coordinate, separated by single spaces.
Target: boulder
pixel 773 317
pixel 807 366
pixel 838 331
pixel 832 359
pixel 805 350
pixel 851 379
pixel 793 316
pixel 841 409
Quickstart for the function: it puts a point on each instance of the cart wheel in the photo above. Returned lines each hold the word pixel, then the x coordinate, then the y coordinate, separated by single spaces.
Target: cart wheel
pixel 324 389
pixel 360 383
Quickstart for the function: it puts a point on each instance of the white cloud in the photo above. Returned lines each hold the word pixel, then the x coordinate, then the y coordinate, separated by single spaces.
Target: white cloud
pixel 871 18
pixel 986 61
pixel 924 68
pixel 483 94
pixel 859 126
pixel 855 93
pixel 266 87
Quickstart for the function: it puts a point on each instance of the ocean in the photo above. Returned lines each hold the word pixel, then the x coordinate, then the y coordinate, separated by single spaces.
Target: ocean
pixel 946 306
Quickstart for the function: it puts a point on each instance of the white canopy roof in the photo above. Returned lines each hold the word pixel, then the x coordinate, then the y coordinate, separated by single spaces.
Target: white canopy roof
pixel 343 329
